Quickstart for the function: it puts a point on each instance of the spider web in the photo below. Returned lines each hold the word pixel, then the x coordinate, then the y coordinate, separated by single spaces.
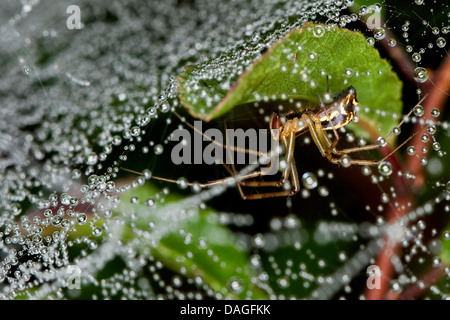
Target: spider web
pixel 79 105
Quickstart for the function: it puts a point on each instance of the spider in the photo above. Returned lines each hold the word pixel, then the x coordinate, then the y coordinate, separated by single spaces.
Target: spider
pixel 286 127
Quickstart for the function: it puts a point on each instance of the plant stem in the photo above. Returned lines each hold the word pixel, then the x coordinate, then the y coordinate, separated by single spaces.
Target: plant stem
pixel 399 56
pixel 437 88
pixel 389 250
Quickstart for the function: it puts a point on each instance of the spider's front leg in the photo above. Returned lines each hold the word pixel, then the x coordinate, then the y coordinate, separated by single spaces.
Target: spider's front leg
pixel 328 148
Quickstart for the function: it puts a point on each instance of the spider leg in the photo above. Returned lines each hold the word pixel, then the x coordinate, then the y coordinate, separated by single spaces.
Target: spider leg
pixel 371 147
pixel 318 135
pixel 289 172
pixel 345 151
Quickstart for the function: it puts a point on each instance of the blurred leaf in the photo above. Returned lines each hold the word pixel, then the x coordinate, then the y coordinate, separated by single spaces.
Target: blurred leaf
pixel 204 248
pixel 296 68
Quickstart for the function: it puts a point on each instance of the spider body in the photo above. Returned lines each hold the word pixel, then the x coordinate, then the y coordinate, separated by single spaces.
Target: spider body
pixel 338 113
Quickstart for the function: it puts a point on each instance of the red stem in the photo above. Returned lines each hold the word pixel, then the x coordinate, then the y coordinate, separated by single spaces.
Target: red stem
pixel 398 55
pixel 438 88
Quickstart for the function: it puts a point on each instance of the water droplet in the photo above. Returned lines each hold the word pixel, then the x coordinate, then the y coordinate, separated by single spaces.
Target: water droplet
pixel 110 186
pixel 159 149
pixel 323 191
pixel 436 262
pixel 425 137
pixel 256 38
pixel 411 150
pixel 318 31
pixel 65 199
pixel 384 198
pixel 97 232
pixel 177 281
pixel 377 7
pixel 435 30
pixel 182 183
pixel 423 161
pixel 395 286
pixel 418 2
pixel 392 42
pixel 135 131
pixel 396 131
pixel 431 130
pixel 235 285
pixel 309 180
pixel 134 200
pixel 258 241
pixel 436 146
pixel 409 48
pixel 420 74
pixel 382 142
pixel 16 209
pixel 370 41
pixel 165 108
pixel 255 261
pixel 287 185
pixel 283 282
pixel 147 174
pixel 363 10
pixel 379 34
pixel 56 220
pixel 348 72
pixel 327 97
pixel 416 57
pixel 122 96
pixel 440 42
pixel 91 159
pixel 342 256
pixel 73 201
pixel 345 161
pixel 196 187
pixel 27 71
pixel 385 168
pixel 81 218
pixel 366 170
pixel 418 110
pixel 435 112
pixel 312 55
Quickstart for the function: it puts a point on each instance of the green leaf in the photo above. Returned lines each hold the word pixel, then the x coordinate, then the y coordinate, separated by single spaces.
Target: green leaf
pixel 296 68
pixel 191 242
